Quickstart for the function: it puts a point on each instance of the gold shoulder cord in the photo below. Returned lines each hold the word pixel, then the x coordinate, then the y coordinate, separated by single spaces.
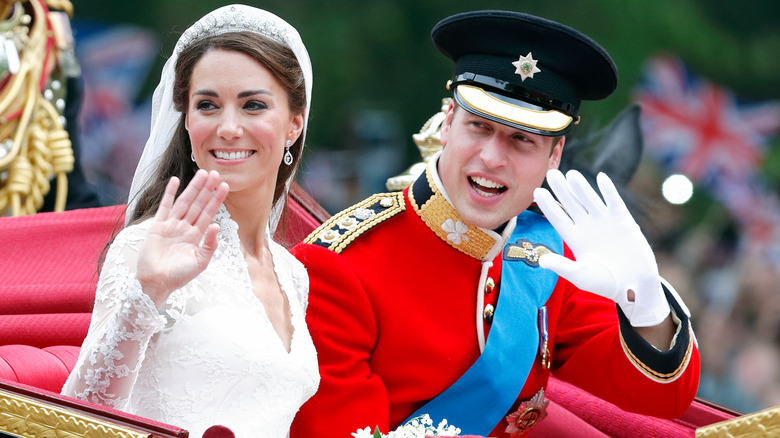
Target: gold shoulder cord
pixel 36 48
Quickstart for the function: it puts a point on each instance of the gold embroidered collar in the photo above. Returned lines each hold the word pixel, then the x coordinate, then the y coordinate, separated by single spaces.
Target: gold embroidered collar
pixel 440 216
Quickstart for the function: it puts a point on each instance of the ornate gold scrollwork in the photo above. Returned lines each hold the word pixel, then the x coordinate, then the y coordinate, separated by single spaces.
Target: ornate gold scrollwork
pixel 26 417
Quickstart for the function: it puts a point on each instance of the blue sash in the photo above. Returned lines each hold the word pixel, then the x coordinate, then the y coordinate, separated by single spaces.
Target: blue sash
pixel 483 395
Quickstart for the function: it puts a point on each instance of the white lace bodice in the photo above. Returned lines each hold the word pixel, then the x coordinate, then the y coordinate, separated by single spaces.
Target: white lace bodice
pixel 210 356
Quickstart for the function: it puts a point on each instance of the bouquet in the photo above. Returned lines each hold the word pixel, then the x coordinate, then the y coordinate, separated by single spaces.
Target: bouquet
pixel 418 427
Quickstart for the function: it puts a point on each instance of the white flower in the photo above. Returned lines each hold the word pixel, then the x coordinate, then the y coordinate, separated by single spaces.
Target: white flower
pixel 456 231
pixel 363 433
pixel 418 427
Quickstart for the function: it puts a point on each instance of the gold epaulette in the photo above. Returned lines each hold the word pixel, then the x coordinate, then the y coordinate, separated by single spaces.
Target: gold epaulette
pixel 346 226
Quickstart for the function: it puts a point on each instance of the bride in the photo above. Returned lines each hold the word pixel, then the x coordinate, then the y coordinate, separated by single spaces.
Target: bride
pixel 199 314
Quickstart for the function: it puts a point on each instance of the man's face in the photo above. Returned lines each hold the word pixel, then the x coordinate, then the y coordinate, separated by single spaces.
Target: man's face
pixel 490 170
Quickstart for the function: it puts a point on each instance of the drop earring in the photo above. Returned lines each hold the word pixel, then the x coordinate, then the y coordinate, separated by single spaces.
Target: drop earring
pixel 288 158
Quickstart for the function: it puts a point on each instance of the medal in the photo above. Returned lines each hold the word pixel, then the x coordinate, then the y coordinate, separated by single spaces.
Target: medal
pixel 544 352
pixel 528 414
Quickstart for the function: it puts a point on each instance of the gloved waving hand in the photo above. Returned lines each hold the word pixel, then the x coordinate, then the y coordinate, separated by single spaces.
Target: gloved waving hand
pixel 612 255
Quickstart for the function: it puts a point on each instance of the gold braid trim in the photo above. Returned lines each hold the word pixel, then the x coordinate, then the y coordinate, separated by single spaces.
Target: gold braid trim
pixel 436 211
pixel 349 224
pixel 656 375
pixel 34 146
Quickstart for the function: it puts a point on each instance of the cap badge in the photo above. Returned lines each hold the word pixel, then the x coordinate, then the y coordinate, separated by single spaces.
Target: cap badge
pixel 526 67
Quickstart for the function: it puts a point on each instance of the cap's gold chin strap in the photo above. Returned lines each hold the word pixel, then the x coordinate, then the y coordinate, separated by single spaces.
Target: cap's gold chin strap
pixel 545 120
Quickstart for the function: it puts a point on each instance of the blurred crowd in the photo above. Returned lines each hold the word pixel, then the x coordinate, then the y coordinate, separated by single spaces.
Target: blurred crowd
pixel 731 291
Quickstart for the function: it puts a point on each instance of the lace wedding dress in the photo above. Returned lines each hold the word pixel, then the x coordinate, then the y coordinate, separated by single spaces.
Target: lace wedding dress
pixel 210 356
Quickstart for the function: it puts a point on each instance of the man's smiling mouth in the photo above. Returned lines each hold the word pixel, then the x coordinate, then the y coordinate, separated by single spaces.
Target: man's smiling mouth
pixel 486 187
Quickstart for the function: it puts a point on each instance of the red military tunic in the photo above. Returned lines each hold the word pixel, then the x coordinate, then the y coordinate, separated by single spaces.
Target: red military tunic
pixel 397 313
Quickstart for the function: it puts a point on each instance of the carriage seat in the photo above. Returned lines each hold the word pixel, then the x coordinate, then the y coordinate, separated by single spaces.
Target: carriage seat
pixel 48 275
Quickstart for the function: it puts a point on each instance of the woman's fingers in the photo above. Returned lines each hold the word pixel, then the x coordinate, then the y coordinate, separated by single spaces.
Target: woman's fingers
pixel 202 198
pixel 197 199
pixel 210 245
pixel 208 212
pixel 184 201
pixel 167 200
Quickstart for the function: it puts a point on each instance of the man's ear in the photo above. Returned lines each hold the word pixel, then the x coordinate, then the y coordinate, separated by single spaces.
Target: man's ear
pixel 556 153
pixel 444 133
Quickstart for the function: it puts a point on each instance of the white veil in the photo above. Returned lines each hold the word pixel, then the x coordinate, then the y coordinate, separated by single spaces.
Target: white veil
pixel 232 18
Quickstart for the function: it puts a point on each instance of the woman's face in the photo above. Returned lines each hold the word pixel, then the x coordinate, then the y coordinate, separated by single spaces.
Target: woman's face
pixel 239 120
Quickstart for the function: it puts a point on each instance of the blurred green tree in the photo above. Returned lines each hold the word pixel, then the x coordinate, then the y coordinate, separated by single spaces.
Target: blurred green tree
pixel 377 54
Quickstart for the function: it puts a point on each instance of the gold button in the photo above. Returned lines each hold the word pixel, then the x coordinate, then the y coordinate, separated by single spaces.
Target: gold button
pixel 488 313
pixel 489 285
pixel 386 202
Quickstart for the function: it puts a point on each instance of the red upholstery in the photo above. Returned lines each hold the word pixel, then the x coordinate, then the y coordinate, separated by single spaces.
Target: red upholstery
pixel 49 272
pixel 47 287
pixel 561 422
pixel 44 329
pixel 615 422
pixel 48 276
pixel 46 368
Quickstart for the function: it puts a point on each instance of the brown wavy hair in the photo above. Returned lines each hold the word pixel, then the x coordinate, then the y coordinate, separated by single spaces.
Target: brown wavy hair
pixel 276 57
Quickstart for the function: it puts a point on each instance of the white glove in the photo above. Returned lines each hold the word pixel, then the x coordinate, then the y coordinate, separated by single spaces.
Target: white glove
pixel 612 255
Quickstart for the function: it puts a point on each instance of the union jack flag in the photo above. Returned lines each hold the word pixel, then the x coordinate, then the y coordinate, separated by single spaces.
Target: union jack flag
pixel 699 129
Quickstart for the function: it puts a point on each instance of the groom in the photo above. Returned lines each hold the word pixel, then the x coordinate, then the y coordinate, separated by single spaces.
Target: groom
pixel 459 296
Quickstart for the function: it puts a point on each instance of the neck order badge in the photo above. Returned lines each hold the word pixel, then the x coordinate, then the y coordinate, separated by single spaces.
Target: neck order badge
pixel 486 392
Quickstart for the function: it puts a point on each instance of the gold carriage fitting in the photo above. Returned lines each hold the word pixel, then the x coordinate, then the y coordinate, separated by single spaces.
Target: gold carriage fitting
pixel 36 56
pixel 765 423
pixel 32 413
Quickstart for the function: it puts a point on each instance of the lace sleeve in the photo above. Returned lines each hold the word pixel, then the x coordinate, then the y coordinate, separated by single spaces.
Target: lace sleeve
pixel 124 319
